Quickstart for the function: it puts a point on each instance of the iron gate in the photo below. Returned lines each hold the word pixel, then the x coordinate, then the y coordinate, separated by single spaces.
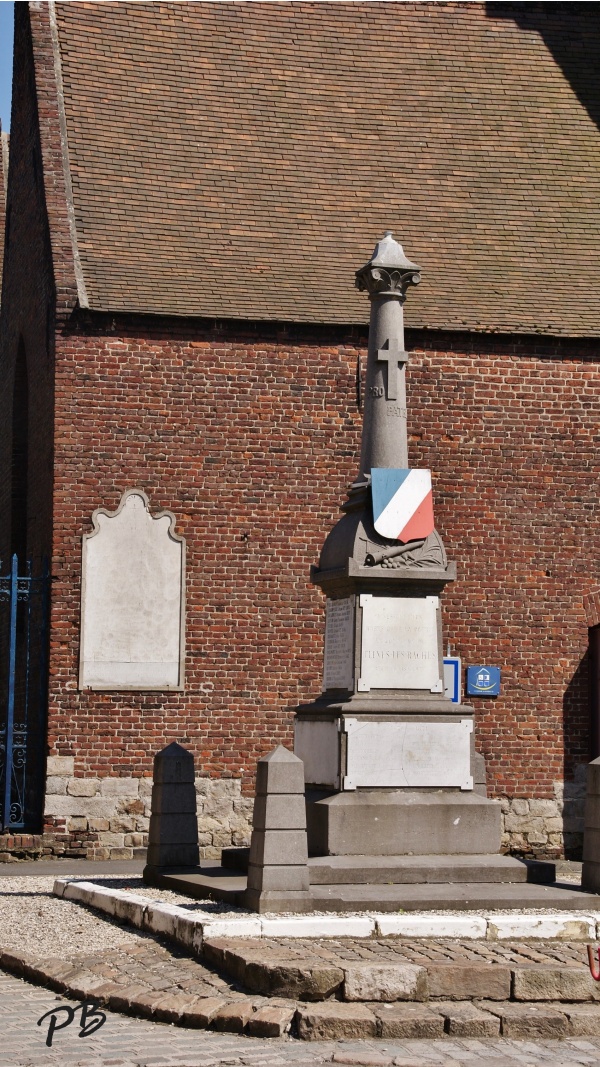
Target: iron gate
pixel 23 679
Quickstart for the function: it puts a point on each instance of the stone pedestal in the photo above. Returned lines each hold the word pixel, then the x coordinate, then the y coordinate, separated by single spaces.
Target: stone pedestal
pixel 278 866
pixel 173 834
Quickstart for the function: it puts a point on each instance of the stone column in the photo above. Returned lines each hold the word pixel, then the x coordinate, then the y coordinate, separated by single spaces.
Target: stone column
pixel 278 868
pixel 386 278
pixel 173 835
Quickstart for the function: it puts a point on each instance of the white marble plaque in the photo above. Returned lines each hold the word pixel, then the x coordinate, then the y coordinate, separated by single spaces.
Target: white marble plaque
pixel 399 647
pixel 338 670
pixel 412 754
pixel 132 606
pixel 317 744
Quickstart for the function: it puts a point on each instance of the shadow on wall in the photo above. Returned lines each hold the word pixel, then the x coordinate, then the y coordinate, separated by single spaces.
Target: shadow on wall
pixel 576 758
pixel 571 34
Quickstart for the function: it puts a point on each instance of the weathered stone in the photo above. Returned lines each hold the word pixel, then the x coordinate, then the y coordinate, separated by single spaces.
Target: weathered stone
pixel 278 847
pixel 409 1020
pixel 121 853
pixel 56 786
pixel 528 1020
pixel 202 1011
pixel 77 822
pixel 110 787
pixel 460 981
pixel 584 1019
pixel 173 765
pixel 83 787
pixel 554 983
pixel 173 828
pixel 60 765
pixel 98 824
pixel 122 825
pixel 385 981
pixel 332 1020
pixel 467 1020
pixel 112 840
pixel 279 772
pixel 280 811
pixel 271 1021
pixel 281 878
pixel 311 980
pixel 233 1017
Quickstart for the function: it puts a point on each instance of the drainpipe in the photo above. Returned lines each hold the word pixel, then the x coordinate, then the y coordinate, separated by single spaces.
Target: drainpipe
pixel 594 689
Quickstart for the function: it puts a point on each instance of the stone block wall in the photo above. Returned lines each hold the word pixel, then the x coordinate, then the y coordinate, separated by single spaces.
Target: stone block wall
pixel 108 818
pixel 549 827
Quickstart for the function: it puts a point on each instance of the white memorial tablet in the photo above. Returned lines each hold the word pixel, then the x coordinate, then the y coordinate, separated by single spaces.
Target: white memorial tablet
pixel 399 643
pixel 132 606
pixel 410 754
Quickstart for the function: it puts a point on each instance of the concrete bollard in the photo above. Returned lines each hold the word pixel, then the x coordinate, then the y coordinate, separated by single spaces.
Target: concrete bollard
pixel 278 867
pixel 590 872
pixel 173 836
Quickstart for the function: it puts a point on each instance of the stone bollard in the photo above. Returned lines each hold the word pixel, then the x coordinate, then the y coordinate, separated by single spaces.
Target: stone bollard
pixel 278 867
pixel 590 872
pixel 173 836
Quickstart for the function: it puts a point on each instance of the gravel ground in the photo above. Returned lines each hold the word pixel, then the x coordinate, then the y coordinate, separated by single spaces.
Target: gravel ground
pixel 33 920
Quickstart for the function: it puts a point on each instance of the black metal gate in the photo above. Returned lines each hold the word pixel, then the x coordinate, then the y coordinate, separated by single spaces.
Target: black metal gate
pixel 23 694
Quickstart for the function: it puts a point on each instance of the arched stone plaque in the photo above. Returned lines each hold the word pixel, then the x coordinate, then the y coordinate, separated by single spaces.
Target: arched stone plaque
pixel 132 599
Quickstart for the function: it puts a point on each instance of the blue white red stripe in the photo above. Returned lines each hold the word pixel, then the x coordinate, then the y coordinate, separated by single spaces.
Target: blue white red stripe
pixel 402 503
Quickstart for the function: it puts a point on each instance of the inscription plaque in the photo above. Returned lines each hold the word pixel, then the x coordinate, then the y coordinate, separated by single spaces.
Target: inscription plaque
pixel 411 754
pixel 132 599
pixel 338 670
pixel 399 648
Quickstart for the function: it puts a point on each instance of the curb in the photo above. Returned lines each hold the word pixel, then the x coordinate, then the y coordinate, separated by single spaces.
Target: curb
pixel 328 1020
pixel 190 931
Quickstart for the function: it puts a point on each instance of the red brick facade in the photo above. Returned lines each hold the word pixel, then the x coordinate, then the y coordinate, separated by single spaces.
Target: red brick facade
pixel 251 444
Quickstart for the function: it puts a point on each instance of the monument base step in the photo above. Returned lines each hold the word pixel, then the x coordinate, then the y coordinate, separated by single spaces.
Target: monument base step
pixel 397 822
pixel 378 870
pixel 383 870
pixel 448 897
pixel 222 883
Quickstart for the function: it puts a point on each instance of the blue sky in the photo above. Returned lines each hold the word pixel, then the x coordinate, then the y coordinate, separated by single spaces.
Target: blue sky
pixel 6 50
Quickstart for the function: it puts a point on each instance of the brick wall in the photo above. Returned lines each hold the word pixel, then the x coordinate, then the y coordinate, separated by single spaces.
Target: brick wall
pixel 250 437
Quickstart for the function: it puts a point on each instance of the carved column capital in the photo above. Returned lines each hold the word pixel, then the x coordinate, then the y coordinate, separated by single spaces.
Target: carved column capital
pixel 388 272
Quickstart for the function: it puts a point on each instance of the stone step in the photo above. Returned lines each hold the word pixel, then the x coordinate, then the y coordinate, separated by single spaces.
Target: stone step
pixel 465 896
pixel 381 870
pixel 392 970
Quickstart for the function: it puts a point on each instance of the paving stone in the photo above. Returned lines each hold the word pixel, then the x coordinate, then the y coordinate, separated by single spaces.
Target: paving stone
pixel 461 981
pixel 386 982
pixel 233 1017
pixel 271 1021
pixel 124 1000
pixel 202 1011
pixel 554 983
pixel 528 1020
pixel 362 1059
pixel 408 1020
pixel 466 1020
pixel 333 1020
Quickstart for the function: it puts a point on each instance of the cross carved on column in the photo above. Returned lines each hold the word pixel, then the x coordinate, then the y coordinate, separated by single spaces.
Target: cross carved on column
pixel 392 355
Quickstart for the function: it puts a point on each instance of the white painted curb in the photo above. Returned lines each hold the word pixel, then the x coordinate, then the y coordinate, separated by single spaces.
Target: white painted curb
pixel 190 930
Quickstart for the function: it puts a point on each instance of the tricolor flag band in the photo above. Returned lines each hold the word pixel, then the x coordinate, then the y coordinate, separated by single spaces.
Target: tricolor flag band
pixel 402 503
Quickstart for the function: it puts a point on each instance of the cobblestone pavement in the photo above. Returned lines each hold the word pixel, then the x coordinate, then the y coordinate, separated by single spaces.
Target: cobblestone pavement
pixel 127 1042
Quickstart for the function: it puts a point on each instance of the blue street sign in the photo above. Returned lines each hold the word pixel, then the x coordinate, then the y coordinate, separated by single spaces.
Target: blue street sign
pixel 452 678
pixel 483 681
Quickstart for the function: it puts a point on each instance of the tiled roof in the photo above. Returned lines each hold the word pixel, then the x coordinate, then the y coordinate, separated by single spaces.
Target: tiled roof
pixel 240 159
